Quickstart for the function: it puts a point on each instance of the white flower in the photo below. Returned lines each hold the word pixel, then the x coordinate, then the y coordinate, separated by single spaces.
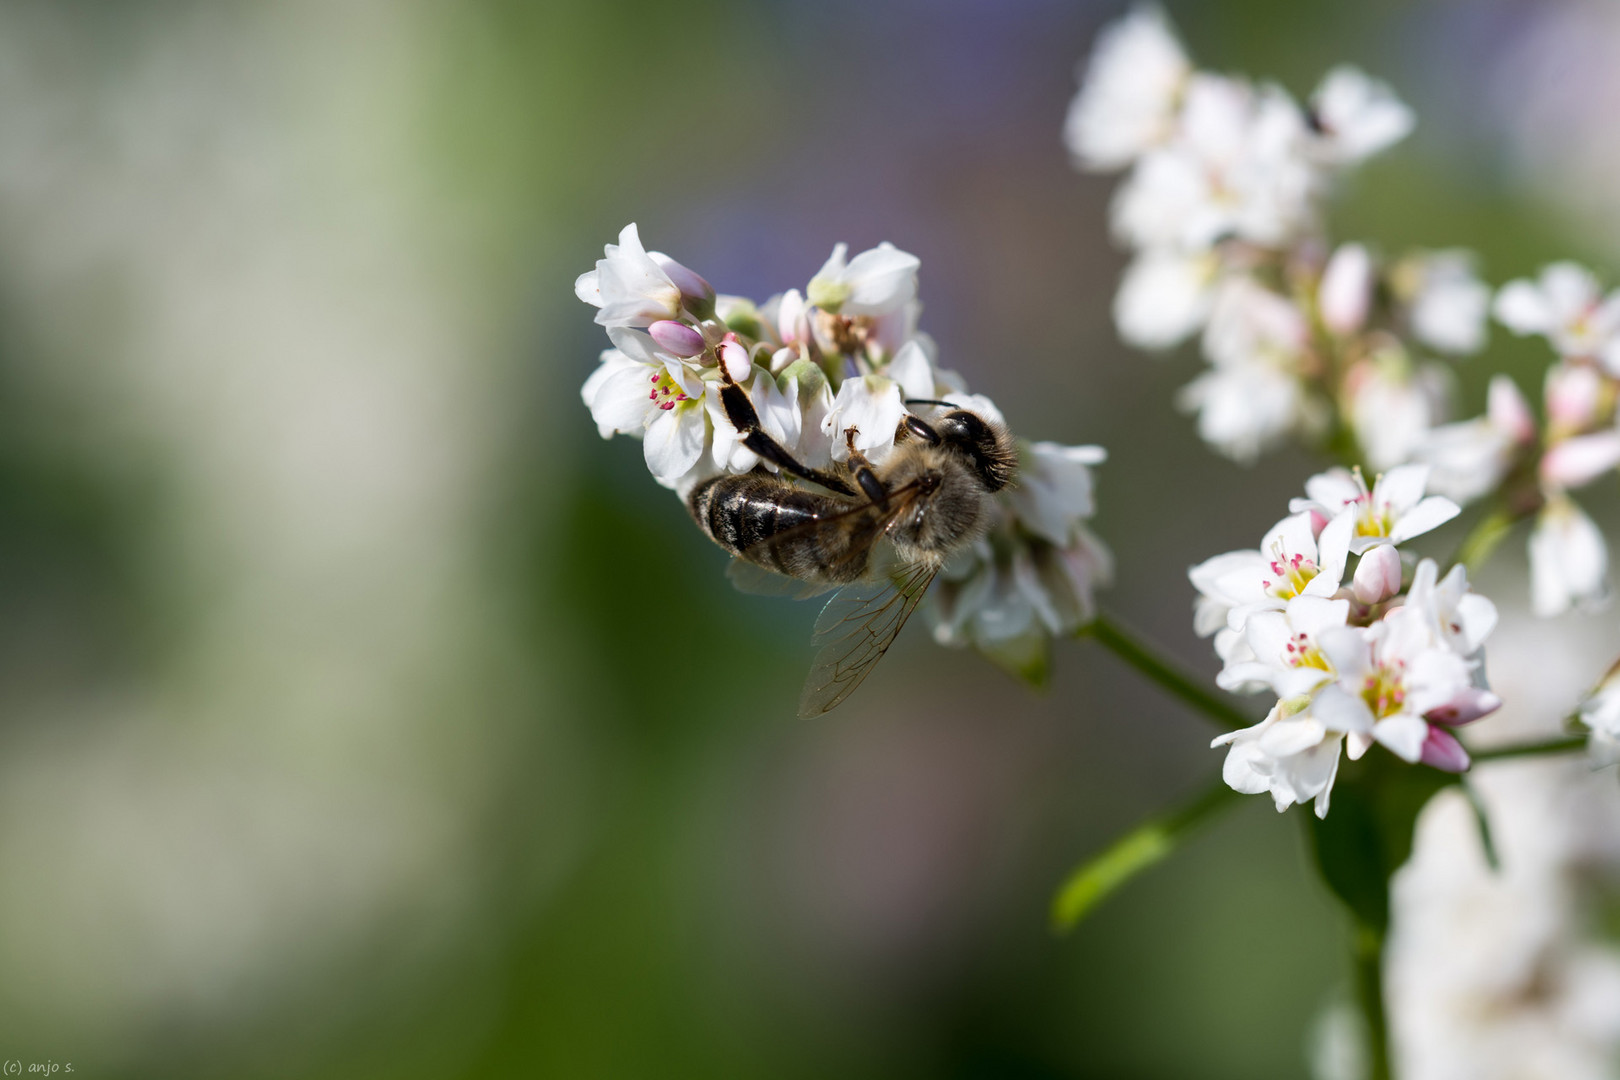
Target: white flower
pixel 1293 756
pixel 1393 679
pixel 1575 396
pixel 875 404
pixel 777 405
pixel 1128 93
pixel 876 282
pixel 643 392
pixel 1357 116
pixel 1245 409
pixel 1235 170
pixel 1345 292
pixel 1377 576
pixel 1292 561
pixel 1447 303
pixel 1284 648
pixel 1469 459
pixel 1569 560
pixel 1458 617
pixel 1164 297
pixel 635 288
pixel 1567 306
pixel 1393 512
pixel 1577 461
pixel 1054 490
pixel 1393 408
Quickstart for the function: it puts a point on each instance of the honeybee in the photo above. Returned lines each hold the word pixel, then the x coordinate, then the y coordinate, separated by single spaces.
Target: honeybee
pixel 877 533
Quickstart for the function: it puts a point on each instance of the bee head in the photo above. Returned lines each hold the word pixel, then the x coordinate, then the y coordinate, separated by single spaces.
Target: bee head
pixel 987 446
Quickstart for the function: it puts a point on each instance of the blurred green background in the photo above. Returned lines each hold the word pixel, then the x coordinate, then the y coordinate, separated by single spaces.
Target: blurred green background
pixel 366 715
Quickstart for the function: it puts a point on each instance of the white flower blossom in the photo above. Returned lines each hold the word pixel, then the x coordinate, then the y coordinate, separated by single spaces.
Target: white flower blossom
pixel 1357 116
pixel 635 288
pixel 1345 292
pixel 1292 756
pixel 1569 560
pixel 1054 491
pixel 1164 297
pixel 641 391
pixel 1447 304
pixel 1567 307
pixel 876 282
pixel 1292 560
pixel 1393 512
pixel 1283 647
pixel 1393 408
pixel 1129 92
pixel 1470 458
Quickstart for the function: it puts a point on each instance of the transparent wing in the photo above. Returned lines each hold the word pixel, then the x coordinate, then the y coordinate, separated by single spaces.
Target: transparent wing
pixel 854 631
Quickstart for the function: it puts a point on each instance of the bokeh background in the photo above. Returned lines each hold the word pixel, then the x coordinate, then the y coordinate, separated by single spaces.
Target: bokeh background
pixel 364 714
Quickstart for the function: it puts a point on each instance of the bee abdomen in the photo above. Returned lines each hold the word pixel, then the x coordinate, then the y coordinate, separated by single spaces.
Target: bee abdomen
pixel 770 523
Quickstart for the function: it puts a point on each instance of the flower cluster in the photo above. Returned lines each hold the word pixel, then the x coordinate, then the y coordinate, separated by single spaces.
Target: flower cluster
pixel 1534 468
pixel 1385 653
pixel 1223 208
pixel 844 354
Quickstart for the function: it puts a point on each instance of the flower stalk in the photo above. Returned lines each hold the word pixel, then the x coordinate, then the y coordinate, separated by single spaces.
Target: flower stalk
pixel 1149 663
pixel 1368 957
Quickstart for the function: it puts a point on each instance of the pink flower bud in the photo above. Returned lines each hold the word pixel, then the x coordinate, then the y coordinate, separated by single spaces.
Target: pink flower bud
pixel 1508 412
pixel 1442 750
pixel 1378 575
pixel 735 357
pixel 1580 460
pixel 677 338
pixel 1346 289
pixel 692 286
pixel 1573 394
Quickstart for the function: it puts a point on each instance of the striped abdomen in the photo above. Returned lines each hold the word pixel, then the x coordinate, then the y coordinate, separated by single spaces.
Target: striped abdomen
pixel 785 529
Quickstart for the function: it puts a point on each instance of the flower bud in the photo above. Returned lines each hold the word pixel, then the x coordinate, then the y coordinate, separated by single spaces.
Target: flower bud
pixel 1508 412
pixel 676 338
pixel 1346 289
pixel 693 288
pixel 1574 462
pixel 1573 396
pixel 1378 575
pixel 734 355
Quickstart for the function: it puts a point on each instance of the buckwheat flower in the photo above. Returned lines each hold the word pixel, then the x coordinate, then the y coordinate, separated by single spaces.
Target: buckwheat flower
pixel 1247 408
pixel 1290 754
pixel 1054 491
pixel 1470 458
pixel 643 392
pixel 1293 560
pixel 1392 407
pixel 1345 292
pixel 1399 686
pixel 874 405
pixel 776 402
pixel 1129 90
pixel 1569 560
pixel 875 282
pixel 815 403
pixel 635 288
pixel 1165 297
pixel 1567 307
pixel 1446 303
pixel 1458 617
pixel 1393 512
pixel 1356 116
pixel 1283 645
pixel 1378 575
pixel 1234 170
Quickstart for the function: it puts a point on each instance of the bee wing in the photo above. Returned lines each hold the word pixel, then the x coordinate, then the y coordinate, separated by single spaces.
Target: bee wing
pixel 854 631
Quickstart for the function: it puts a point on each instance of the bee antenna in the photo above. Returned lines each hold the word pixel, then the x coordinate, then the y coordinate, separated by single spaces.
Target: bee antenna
pixel 929 401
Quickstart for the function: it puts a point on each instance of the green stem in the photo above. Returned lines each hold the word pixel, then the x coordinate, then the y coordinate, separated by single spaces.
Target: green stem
pixel 1368 955
pixel 1482 539
pixel 1150 664
pixel 1567 744
pixel 1134 852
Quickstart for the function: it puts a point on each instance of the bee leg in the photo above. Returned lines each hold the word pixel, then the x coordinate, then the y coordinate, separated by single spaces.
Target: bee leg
pixel 920 428
pixel 865 475
pixel 740 411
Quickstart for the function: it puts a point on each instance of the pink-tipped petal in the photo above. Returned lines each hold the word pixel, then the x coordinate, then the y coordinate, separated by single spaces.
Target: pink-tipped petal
pixel 1378 575
pixel 735 357
pixel 677 338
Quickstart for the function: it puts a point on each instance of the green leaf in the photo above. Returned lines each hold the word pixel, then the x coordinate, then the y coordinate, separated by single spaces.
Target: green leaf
pixel 1367 834
pixel 1133 853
